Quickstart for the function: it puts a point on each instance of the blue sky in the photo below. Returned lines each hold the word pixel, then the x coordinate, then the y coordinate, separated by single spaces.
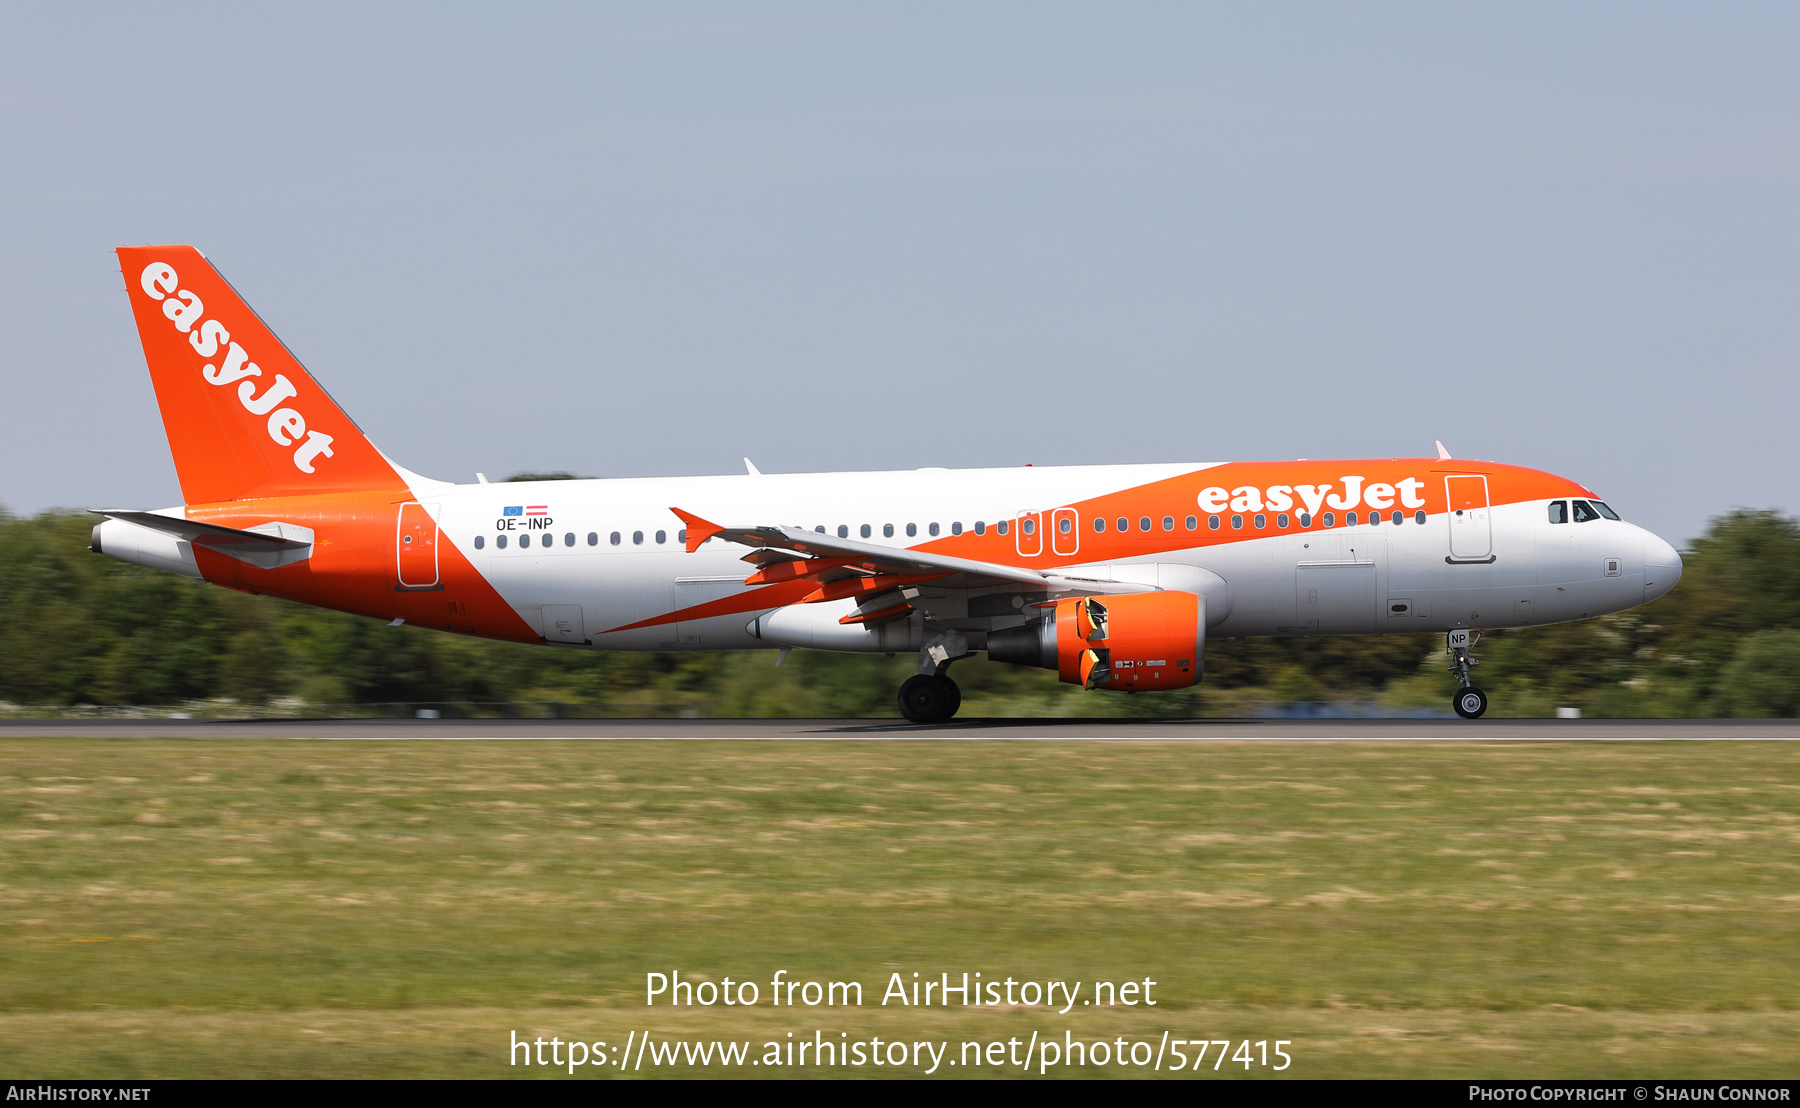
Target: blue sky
pixel 650 239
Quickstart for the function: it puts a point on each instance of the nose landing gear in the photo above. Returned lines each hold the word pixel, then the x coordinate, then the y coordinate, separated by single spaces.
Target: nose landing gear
pixel 1469 701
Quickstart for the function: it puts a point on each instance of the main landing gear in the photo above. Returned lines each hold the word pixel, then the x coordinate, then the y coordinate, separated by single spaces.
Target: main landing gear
pixel 929 698
pixel 1469 701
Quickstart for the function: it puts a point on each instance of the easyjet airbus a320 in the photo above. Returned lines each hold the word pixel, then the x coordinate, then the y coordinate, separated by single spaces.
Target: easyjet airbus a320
pixel 1113 576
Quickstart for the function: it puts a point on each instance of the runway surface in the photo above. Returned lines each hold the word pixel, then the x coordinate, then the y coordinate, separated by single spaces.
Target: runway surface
pixel 1041 730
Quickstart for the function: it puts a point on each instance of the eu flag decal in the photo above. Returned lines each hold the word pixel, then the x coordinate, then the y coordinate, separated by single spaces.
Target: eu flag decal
pixel 517 510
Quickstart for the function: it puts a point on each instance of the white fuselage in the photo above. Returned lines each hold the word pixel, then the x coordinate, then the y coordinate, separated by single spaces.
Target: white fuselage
pixel 1382 578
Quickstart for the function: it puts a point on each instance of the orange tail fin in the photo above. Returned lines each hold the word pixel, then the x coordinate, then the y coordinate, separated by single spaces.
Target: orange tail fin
pixel 244 417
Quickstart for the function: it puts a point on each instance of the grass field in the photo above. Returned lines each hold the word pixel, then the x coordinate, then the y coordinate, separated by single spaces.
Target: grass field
pixel 309 908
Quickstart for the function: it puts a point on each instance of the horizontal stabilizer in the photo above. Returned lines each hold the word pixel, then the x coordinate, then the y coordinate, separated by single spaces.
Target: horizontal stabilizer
pixel 267 545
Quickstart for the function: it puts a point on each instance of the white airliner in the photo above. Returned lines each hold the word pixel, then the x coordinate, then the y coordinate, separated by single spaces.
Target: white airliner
pixel 1113 576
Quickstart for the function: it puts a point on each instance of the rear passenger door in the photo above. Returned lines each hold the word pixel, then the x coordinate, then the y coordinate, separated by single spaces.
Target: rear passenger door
pixel 415 547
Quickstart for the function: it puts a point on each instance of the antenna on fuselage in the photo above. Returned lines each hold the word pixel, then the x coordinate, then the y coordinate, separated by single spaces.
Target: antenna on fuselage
pixel 1443 455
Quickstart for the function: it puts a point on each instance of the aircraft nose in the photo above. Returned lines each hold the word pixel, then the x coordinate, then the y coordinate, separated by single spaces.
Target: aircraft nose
pixel 1662 567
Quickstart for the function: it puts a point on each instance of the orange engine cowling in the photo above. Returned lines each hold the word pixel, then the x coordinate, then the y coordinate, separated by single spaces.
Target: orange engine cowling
pixel 1135 641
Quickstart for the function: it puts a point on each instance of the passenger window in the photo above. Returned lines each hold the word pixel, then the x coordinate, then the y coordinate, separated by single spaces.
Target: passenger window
pixel 1029 526
pixel 593 538
pixel 1168 523
pixel 1559 511
pixel 1192 523
pixel 1261 521
pixel 956 527
pixel 1306 519
pixel 933 529
pixel 500 541
pixel 1065 525
pixel 1212 523
pixel 662 536
pixel 1099 524
pixel 865 531
pixel 980 527
pixel 843 531
pixel 1584 512
pixel 1143 523
pixel 1419 516
pixel 1350 519
pixel 1124 524
pixel 480 541
pixel 613 538
pixel 1237 523
pixel 637 538
pixel 1281 521
pixel 681 536
pixel 1605 511
pixel 1328 519
pixel 1399 518
pixel 524 540
pixel 912 529
pixel 1001 526
pixel 887 530
pixel 569 539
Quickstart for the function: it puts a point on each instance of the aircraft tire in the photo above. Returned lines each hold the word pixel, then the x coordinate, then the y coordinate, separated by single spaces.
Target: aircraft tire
pixel 952 696
pixel 1470 703
pixel 926 699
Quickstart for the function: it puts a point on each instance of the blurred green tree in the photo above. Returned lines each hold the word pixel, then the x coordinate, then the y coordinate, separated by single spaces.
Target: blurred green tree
pixel 1763 679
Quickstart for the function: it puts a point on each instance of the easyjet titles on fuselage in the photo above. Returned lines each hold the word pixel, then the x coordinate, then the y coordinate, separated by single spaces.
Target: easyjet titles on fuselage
pixel 1378 495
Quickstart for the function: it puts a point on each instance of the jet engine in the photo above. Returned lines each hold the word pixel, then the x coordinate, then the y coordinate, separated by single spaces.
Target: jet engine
pixel 1133 641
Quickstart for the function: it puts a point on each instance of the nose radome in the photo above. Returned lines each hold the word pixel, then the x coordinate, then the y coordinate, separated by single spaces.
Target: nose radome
pixel 1662 567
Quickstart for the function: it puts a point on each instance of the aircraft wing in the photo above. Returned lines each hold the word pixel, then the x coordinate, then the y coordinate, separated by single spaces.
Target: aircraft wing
pixel 828 559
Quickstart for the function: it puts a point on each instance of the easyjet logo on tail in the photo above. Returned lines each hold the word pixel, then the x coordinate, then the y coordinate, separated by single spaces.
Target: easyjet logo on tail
pixel 286 425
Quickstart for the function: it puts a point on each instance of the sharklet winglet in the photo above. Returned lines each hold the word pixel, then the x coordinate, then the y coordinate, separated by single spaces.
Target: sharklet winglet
pixel 698 530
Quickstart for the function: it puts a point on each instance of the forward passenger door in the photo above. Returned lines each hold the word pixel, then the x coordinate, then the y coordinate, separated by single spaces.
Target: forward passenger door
pixel 1471 532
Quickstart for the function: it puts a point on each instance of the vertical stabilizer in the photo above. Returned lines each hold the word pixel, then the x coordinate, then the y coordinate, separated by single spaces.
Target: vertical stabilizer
pixel 244 417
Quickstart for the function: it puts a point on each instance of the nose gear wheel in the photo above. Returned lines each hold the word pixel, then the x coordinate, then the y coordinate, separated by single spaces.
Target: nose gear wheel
pixel 1470 703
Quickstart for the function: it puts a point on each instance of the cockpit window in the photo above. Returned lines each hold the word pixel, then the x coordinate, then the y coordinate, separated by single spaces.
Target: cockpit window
pixel 1584 512
pixel 1606 511
pixel 1559 511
